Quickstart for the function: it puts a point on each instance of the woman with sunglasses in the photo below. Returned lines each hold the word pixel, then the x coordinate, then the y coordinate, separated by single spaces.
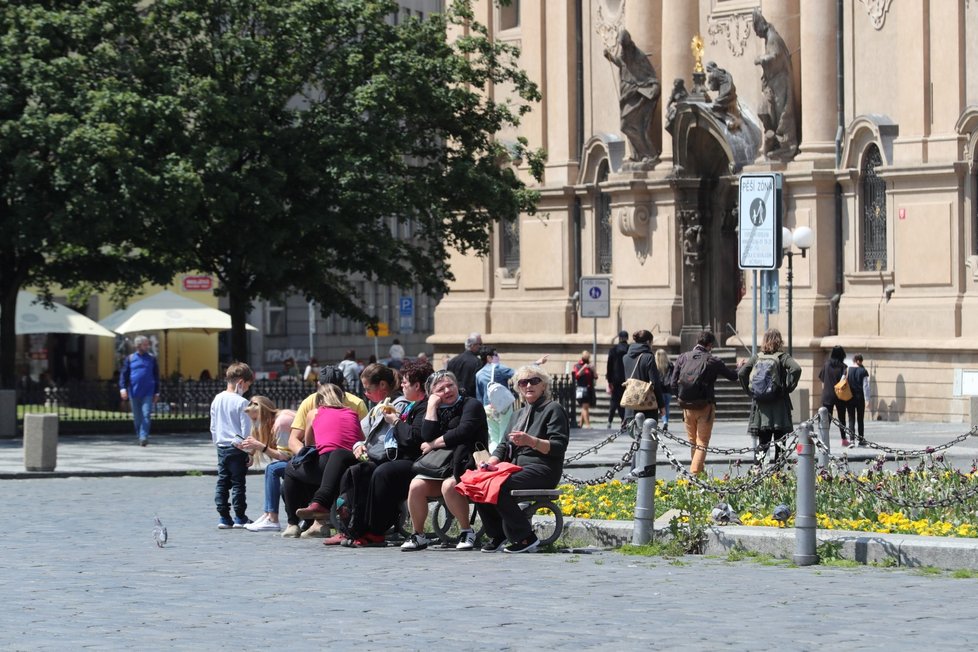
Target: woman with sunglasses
pixel 271 438
pixel 538 445
pixel 451 421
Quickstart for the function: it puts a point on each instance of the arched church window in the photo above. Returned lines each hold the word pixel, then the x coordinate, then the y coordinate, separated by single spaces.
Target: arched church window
pixel 602 221
pixel 874 212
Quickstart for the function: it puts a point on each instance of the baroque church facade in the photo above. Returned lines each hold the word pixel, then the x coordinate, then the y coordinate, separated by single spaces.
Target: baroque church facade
pixel 875 138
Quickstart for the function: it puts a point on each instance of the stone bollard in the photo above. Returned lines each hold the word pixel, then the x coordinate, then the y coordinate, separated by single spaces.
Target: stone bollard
pixel 824 435
pixel 973 404
pixel 805 521
pixel 40 442
pixel 8 413
pixel 803 411
pixel 644 471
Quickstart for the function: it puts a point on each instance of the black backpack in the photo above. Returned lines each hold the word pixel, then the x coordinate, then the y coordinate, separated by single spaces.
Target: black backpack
pixel 690 379
pixel 767 378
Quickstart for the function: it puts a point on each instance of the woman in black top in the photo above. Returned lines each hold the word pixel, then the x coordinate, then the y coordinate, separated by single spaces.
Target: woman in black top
pixel 856 406
pixel 538 445
pixel 830 374
pixel 639 363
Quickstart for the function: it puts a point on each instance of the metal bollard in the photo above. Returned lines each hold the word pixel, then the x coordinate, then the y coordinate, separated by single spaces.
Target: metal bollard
pixel 644 470
pixel 8 414
pixel 805 522
pixel 824 425
pixel 40 442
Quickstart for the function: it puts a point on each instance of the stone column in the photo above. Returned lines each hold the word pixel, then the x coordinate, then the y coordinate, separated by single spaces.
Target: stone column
pixel 818 80
pixel 680 19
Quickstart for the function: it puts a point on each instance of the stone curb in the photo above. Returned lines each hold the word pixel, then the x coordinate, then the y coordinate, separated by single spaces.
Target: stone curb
pixel 902 550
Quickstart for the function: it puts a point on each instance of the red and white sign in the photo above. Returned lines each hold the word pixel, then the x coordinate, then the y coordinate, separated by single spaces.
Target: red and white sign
pixel 198 283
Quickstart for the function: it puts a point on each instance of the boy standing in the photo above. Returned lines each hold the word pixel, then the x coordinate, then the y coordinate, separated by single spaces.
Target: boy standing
pixel 230 425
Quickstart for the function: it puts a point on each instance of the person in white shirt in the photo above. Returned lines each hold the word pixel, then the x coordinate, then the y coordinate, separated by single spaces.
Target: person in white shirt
pixel 230 426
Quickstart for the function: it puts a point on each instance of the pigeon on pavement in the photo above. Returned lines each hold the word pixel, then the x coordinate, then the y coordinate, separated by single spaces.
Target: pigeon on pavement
pixel 159 532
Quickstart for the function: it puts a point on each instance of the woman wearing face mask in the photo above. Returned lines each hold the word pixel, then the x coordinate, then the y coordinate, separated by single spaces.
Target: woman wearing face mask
pixel 538 445
pixel 451 421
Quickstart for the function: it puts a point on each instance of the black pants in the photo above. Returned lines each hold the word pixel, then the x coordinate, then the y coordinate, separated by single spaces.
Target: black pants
pixel 856 409
pixel 505 519
pixel 389 486
pixel 617 391
pixel 764 440
pixel 300 483
pixel 840 411
pixel 329 486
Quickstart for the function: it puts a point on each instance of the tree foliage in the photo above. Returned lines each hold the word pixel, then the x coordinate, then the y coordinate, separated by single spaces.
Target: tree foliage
pixel 313 125
pixel 85 155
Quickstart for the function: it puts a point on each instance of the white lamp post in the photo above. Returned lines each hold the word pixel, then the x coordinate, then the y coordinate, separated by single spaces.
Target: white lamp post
pixel 803 237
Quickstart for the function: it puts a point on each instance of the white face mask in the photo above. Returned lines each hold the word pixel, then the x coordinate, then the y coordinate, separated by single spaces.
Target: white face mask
pixel 239 388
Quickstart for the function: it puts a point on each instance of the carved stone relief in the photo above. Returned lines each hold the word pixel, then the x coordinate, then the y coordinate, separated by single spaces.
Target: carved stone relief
pixel 634 222
pixel 877 10
pixel 735 29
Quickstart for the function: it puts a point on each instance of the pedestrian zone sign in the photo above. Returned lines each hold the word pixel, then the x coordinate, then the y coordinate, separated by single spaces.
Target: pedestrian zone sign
pixel 761 215
pixel 595 296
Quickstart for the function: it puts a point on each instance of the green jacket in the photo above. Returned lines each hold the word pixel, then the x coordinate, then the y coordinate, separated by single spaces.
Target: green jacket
pixel 775 415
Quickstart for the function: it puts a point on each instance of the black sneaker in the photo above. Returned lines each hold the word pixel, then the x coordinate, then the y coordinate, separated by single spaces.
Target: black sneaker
pixel 494 545
pixel 528 544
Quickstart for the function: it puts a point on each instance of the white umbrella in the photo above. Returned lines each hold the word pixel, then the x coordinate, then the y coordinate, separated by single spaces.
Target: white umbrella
pixel 168 311
pixel 37 318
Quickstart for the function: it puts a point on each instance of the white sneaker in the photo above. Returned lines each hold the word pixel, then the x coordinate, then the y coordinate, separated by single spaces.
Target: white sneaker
pixel 416 542
pixel 263 525
pixel 466 540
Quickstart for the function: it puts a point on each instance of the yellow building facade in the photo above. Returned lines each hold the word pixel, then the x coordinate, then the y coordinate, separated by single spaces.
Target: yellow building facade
pixel 886 100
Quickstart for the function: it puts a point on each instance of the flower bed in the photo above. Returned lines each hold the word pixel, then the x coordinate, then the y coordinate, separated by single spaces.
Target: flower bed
pixel 868 502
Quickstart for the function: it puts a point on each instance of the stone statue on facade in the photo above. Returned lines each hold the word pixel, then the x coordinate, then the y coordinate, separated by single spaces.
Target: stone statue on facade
pixel 679 94
pixel 725 105
pixel 777 111
pixel 638 97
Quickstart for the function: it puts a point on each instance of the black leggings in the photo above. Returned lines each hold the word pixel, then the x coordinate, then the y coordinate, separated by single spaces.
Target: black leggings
pixel 840 411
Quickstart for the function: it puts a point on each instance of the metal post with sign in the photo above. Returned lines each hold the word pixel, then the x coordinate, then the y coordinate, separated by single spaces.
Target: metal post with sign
pixel 759 234
pixel 595 303
pixel 406 312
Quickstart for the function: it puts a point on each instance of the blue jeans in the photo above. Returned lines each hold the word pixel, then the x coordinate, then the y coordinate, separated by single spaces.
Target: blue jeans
pixel 232 472
pixel 666 400
pixel 142 407
pixel 274 473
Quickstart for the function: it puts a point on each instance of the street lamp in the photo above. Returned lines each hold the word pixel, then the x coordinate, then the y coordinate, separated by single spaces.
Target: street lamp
pixel 803 238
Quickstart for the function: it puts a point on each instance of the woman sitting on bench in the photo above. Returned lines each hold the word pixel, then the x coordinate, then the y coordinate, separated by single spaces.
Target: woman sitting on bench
pixel 538 445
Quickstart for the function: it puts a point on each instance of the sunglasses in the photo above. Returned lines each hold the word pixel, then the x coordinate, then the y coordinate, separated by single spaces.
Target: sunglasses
pixel 529 381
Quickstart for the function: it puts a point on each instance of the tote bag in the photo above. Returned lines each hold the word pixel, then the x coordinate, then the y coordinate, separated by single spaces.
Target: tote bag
pixel 842 390
pixel 639 394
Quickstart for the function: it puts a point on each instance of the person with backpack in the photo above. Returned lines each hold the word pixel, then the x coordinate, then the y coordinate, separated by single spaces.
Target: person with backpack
pixel 832 372
pixel 639 363
pixel 694 378
pixel 584 391
pixel 139 383
pixel 770 377
pixel 615 375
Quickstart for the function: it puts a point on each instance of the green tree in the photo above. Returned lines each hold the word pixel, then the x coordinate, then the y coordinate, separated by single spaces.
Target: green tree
pixel 314 125
pixel 84 162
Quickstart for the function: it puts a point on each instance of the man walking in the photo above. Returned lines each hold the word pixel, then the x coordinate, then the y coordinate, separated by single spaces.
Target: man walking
pixel 693 384
pixel 139 383
pixel 616 377
pixel 467 364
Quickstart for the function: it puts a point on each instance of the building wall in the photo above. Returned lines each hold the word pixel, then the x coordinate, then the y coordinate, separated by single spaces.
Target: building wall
pixel 910 89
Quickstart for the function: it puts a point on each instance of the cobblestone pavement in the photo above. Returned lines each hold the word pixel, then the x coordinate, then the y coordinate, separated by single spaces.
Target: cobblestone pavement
pixel 82 571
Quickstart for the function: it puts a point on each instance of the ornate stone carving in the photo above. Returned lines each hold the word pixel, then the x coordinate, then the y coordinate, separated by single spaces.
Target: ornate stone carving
pixel 693 242
pixel 634 222
pixel 734 29
pixel 877 10
pixel 607 28
pixel 725 105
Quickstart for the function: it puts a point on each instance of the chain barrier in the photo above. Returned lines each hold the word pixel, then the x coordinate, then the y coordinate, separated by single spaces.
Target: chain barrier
pixel 593 449
pixel 876 489
pixel 708 449
pixel 733 487
pixel 900 452
pixel 626 460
